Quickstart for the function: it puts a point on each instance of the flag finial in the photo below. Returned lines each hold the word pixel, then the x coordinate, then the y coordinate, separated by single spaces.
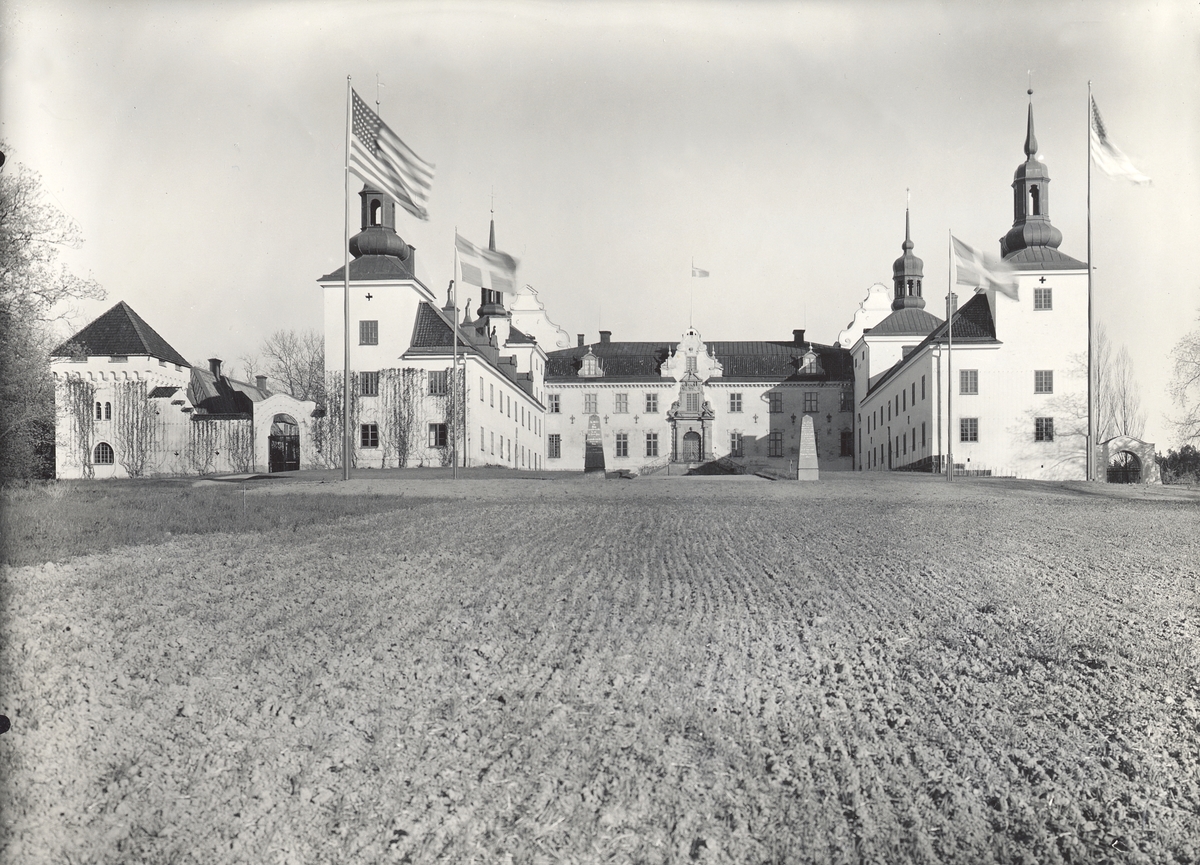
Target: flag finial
pixel 1031 144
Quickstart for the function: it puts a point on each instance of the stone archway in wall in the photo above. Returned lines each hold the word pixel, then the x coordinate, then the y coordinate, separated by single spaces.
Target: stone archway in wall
pixel 691 447
pixel 284 444
pixel 1124 468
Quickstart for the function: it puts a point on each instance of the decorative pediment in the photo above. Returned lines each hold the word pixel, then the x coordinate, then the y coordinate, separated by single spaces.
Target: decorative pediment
pixel 691 356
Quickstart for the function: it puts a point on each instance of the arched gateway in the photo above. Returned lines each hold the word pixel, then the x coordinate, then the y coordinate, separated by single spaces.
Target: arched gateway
pixel 285 444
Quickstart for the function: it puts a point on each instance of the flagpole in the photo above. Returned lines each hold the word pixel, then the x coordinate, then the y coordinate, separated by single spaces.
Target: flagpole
pixel 346 299
pixel 1091 433
pixel 949 357
pixel 454 327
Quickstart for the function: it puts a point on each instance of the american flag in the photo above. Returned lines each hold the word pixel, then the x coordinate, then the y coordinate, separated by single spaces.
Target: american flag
pixel 379 158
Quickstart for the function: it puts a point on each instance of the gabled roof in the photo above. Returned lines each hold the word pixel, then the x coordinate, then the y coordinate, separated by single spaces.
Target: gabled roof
pixel 516 336
pixel 906 322
pixel 120 332
pixel 1043 258
pixel 222 396
pixel 972 323
pixel 378 267
pixel 740 361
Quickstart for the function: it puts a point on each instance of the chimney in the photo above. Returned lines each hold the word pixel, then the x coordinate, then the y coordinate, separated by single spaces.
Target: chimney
pixel 606 336
pixel 261 381
pixel 214 366
pixel 798 336
pixel 581 340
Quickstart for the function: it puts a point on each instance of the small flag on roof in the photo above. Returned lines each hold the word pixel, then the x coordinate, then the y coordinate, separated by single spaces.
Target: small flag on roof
pixel 1108 157
pixel 486 268
pixel 974 268
pixel 697 271
pixel 379 158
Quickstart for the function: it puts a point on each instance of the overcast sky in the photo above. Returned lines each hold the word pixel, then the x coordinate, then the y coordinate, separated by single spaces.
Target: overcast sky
pixel 199 145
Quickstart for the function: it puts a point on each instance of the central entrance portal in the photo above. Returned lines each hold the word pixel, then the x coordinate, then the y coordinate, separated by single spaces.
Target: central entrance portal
pixel 691 447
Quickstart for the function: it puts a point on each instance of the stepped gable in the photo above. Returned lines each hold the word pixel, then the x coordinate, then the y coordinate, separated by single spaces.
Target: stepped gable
pixel 908 321
pixel 120 332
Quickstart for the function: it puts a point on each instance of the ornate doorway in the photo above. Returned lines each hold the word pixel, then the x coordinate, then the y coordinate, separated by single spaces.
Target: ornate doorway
pixel 284 444
pixel 691 447
pixel 1124 468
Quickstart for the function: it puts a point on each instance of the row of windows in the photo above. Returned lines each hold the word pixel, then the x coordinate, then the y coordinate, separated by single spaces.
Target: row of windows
pixel 104 412
pixel 900 402
pixel 968 381
pixel 369 435
pixel 1043 429
pixel 534 461
pixel 591 402
pixel 439 383
pixel 737 446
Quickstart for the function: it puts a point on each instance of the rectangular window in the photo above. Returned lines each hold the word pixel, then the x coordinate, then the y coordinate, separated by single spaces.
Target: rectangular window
pixel 1043 429
pixel 968 429
pixel 775 403
pixel 1043 298
pixel 368 383
pixel 736 445
pixel 370 435
pixel 554 406
pixel 904 404
pixel 904 445
pixel 622 444
pixel 482 440
pixel 621 405
pixel 922 387
pixel 651 403
pixel 914 393
pixel 481 388
pixel 492 439
pixel 810 401
pixel 439 381
pixel 651 444
pixel 368 333
pixel 589 403
pixel 775 444
pixel 968 381
pixel 847 443
pixel 691 363
pixel 437 435
pixel 491 394
pixel 735 402
pixel 922 433
pixel 1043 381
pixel 847 401
pixel 692 402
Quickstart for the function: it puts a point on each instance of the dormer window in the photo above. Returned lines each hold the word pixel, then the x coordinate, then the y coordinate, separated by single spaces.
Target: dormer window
pixel 589 366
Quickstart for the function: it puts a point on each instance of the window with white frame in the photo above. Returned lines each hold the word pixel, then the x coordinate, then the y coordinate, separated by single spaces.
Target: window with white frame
pixel 554 446
pixel 775 444
pixel 368 333
pixel 553 405
pixel 437 435
pixel 368 383
pixel 736 444
pixel 968 429
pixel 735 402
pixel 1043 381
pixel 621 403
pixel 369 435
pixel 103 454
pixel 622 444
pixel 968 381
pixel 1043 429
pixel 810 401
pixel 775 403
pixel 651 444
pixel 1043 298
pixel 651 403
pixel 439 381
pixel 590 403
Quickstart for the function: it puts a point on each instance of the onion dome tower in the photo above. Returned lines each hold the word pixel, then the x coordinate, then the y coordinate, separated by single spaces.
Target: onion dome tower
pixel 1031 227
pixel 907 273
pixel 491 302
pixel 378 235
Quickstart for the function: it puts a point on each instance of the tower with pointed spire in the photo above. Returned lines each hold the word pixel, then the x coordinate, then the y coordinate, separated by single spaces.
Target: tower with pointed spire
pixel 491 302
pixel 907 273
pixel 1031 229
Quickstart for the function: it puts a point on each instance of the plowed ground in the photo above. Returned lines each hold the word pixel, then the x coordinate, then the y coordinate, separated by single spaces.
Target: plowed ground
pixel 698 670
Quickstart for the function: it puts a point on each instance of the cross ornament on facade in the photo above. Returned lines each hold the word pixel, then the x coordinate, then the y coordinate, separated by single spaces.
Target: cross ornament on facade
pixel 1042 280
pixel 369 295
pixel 635 418
pixel 606 418
pixel 756 418
pixel 572 418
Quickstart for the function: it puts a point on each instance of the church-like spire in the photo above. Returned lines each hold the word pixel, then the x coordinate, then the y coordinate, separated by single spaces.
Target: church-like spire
pixel 1031 201
pixel 491 302
pixel 907 273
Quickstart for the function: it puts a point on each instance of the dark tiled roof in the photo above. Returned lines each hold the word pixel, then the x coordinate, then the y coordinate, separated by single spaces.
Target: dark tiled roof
pixel 222 396
pixel 120 331
pixel 1043 258
pixel 972 323
pixel 370 267
pixel 906 322
pixel 515 335
pixel 739 360
pixel 163 392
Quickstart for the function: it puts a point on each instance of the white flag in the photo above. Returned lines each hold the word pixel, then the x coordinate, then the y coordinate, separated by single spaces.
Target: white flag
pixel 698 272
pixel 486 268
pixel 974 268
pixel 1108 157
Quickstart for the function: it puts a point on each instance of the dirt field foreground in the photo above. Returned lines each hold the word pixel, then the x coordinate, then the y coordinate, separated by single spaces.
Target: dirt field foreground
pixel 708 670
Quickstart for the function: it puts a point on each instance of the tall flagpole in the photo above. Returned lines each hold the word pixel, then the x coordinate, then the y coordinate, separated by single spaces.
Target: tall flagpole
pixel 346 301
pixel 454 327
pixel 1091 433
pixel 949 358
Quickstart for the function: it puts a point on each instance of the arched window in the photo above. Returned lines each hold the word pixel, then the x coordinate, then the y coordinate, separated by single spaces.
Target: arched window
pixel 376 209
pixel 103 455
pixel 1035 201
pixel 108 411
pixel 99 412
pixel 910 287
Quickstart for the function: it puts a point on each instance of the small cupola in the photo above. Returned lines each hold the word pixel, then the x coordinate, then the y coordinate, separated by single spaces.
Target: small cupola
pixel 907 273
pixel 378 234
pixel 1031 200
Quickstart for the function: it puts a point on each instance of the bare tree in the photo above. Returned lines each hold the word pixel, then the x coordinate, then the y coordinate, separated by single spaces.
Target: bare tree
pixel 294 362
pixel 1117 397
pixel 1185 387
pixel 137 427
pixel 35 292
pixel 1122 399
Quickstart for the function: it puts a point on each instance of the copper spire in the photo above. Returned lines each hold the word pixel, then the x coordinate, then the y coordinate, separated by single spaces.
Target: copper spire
pixel 1030 138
